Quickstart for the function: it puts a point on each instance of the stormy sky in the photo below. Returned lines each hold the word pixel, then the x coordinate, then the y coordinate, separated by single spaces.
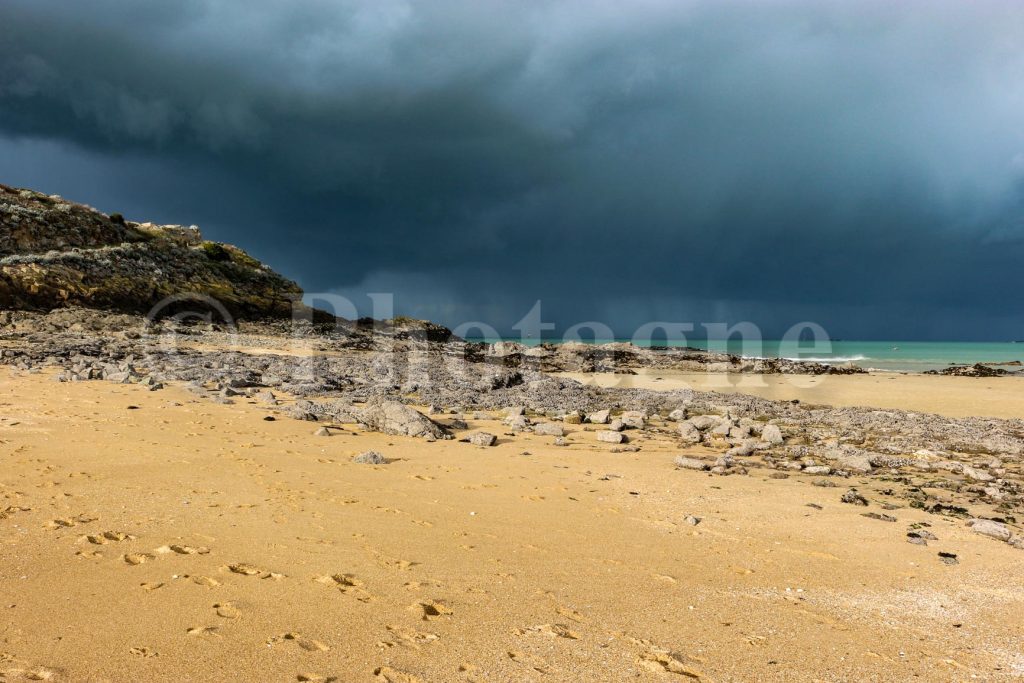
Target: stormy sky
pixel 859 164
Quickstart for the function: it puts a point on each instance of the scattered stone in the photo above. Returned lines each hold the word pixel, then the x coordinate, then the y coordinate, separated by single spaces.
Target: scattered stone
pixel 677 415
pixel 818 470
pixel 482 439
pixel 853 498
pixel 608 436
pixel 601 417
pixel 370 458
pixel 690 463
pixel 561 441
pixel 548 429
pixel 323 431
pixel 948 558
pixel 626 449
pixel 616 425
pixel 879 516
pixel 987 527
pixel 691 520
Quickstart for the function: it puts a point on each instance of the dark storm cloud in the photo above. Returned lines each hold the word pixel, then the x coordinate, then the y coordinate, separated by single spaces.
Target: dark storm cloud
pixel 856 163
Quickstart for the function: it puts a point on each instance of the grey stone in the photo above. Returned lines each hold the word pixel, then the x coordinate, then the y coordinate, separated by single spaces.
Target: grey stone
pixel 608 436
pixel 690 463
pixel 370 458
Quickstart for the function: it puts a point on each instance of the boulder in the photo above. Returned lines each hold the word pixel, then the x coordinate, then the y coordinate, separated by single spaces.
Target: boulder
pixel 392 417
pixel 677 415
pixel 772 435
pixel 370 458
pixel 688 433
pixel 548 429
pixel 690 463
pixel 482 439
pixel 608 436
pixel 986 527
pixel 601 417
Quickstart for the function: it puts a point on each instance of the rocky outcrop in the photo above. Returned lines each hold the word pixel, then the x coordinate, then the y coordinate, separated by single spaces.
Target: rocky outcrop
pixel 392 417
pixel 976 370
pixel 54 254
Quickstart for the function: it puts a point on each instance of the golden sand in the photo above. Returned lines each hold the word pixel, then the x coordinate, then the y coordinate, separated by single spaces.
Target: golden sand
pixel 952 396
pixel 181 540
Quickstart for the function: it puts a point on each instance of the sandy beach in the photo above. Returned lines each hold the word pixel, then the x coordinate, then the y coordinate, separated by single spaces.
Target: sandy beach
pixel 1001 397
pixel 157 536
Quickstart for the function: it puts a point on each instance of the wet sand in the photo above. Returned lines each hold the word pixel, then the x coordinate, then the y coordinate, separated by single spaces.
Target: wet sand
pixel 156 536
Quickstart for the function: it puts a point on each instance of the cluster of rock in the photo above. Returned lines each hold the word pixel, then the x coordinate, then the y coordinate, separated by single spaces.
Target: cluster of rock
pixel 626 358
pixel 54 253
pixel 976 370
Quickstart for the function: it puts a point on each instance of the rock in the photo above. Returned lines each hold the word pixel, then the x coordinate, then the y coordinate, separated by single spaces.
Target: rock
pixel 548 429
pixel 626 449
pixel 392 417
pixel 482 439
pixel 987 527
pixel 854 498
pixel 772 434
pixel 370 458
pixel 677 415
pixel 573 417
pixel 976 474
pixel 688 433
pixel 518 423
pixel 608 436
pixel 850 461
pixel 705 422
pixel 818 470
pixel 691 520
pixel 323 431
pixel 633 419
pixel 601 417
pixel 690 463
pixel 1017 541
pixel 560 441
pixel 948 558
pixel 879 516
pixel 616 425
pixel 515 411
pixel 746 448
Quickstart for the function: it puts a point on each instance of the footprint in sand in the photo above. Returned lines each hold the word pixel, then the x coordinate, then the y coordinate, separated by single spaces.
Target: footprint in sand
pixel 251 570
pixel 66 522
pixel 535 663
pixel 108 536
pixel 227 610
pixel 188 549
pixel 204 581
pixel 386 674
pixel 138 558
pixel 409 638
pixel 152 586
pixel 143 652
pixel 431 609
pixel 552 630
pixel 316 678
pixel 307 644
pixel 207 631
pixel 348 584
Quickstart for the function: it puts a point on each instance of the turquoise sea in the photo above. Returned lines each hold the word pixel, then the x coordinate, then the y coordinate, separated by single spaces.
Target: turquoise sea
pixel 900 356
